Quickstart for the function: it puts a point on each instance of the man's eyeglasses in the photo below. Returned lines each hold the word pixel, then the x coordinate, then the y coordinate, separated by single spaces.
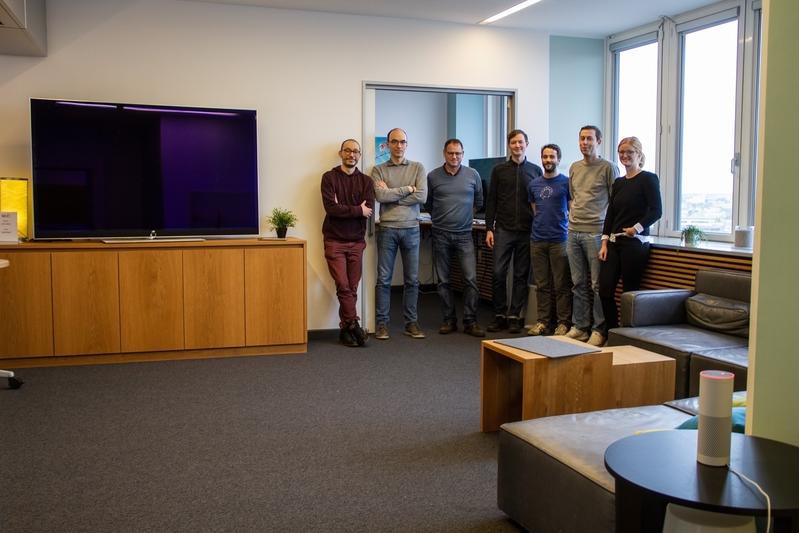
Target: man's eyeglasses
pixel 395 141
pixel 348 151
pixel 455 153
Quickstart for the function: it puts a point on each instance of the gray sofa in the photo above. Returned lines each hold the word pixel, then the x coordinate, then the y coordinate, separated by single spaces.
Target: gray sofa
pixel 707 328
pixel 551 471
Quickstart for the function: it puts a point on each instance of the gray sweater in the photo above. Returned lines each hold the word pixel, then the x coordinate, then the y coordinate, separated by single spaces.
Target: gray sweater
pixel 590 186
pixel 452 200
pixel 399 207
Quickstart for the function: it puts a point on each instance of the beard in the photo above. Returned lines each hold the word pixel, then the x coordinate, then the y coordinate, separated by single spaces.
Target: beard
pixel 550 167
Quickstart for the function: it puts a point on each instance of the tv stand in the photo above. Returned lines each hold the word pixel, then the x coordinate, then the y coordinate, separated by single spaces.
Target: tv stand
pixel 137 240
pixel 67 303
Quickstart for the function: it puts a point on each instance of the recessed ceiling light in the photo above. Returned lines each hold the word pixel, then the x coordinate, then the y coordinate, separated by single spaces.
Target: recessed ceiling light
pixel 509 11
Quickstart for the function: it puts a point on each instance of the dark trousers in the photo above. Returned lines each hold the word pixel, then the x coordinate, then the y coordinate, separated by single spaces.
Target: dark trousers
pixel 552 275
pixel 344 261
pixel 515 246
pixel 627 259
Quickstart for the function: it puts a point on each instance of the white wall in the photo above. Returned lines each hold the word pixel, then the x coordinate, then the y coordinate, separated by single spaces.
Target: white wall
pixel 302 71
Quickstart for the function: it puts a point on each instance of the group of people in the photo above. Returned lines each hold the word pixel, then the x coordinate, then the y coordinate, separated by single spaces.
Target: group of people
pixel 580 233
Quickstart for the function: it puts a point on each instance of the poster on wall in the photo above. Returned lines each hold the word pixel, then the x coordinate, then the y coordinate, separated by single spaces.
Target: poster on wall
pixel 381 150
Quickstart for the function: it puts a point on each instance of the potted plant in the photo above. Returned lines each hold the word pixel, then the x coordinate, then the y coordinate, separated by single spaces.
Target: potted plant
pixel 691 235
pixel 280 220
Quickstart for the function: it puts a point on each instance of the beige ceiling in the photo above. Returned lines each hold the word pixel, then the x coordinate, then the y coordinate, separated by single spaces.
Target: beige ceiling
pixel 579 18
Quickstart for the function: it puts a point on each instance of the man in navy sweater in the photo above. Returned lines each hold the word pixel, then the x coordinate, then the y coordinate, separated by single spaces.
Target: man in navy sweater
pixel 455 192
pixel 348 197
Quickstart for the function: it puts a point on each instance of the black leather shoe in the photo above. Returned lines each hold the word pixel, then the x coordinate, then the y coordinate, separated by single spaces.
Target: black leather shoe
pixel 447 327
pixel 357 332
pixel 498 324
pixel 514 325
pixel 345 337
pixel 474 330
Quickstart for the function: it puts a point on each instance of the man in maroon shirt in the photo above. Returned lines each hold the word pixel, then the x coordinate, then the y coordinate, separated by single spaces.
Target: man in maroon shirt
pixel 349 198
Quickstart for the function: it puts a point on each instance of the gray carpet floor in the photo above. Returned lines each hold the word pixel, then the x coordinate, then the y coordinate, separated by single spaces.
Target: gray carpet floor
pixel 382 438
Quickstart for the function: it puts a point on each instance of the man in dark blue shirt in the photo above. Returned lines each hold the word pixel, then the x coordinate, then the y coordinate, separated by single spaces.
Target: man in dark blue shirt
pixel 549 197
pixel 509 218
pixel 455 192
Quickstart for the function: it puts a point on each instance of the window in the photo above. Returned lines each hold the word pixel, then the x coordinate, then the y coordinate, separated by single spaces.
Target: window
pixel 687 87
pixel 636 98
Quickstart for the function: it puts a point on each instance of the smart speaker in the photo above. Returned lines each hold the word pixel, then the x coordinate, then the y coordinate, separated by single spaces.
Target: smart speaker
pixel 715 417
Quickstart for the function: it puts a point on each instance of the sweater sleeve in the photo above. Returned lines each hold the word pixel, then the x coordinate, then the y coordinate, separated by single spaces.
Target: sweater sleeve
pixel 491 201
pixel 419 196
pixel 654 207
pixel 331 204
pixel 387 196
pixel 607 227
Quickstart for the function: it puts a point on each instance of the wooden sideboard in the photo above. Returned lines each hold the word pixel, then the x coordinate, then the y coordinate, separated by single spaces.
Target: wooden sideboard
pixel 90 302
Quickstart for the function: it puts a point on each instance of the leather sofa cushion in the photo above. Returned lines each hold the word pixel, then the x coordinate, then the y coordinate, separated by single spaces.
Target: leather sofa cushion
pixel 718 314
pixel 681 338
pixel 579 441
pixel 738 356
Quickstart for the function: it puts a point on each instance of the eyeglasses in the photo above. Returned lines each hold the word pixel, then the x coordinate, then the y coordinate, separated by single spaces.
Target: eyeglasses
pixel 455 153
pixel 348 151
pixel 395 141
pixel 627 152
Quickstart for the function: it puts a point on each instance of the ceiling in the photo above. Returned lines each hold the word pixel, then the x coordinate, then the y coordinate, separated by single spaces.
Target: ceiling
pixel 577 18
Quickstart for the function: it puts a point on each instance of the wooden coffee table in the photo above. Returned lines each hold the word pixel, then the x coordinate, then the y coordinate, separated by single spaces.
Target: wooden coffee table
pixel 517 385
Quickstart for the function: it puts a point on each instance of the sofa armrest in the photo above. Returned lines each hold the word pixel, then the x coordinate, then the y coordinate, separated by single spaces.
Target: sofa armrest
pixel 654 307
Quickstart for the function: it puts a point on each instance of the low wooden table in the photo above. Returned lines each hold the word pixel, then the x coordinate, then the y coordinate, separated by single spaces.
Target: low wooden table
pixel 518 385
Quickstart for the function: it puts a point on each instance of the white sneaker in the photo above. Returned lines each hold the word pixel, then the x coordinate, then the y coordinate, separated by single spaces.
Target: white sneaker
pixel 578 334
pixel 562 329
pixel 597 339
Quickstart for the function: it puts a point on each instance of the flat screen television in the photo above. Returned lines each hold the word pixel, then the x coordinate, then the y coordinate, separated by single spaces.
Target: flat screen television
pixel 484 166
pixel 109 170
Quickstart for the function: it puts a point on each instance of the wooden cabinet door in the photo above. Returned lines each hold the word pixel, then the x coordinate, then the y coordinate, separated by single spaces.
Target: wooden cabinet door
pixel 151 300
pixel 85 302
pixel 26 305
pixel 275 300
pixel 213 294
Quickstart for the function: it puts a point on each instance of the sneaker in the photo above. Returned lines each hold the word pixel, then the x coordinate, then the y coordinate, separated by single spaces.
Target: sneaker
pixel 578 334
pixel 498 324
pixel 346 338
pixel 539 328
pixel 447 327
pixel 412 330
pixel 474 330
pixel 562 329
pixel 514 325
pixel 597 339
pixel 358 333
pixel 381 332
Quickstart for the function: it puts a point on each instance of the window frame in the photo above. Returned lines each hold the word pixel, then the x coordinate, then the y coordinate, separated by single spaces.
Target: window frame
pixel 670 32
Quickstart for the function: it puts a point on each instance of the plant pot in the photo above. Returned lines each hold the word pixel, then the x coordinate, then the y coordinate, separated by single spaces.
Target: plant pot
pixel 692 240
pixel 281 232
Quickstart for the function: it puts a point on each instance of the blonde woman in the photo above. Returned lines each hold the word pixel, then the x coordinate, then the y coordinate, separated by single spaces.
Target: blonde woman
pixel 634 206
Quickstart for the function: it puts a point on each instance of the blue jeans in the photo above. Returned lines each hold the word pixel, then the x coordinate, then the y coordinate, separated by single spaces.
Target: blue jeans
pixel 447 246
pixel 584 264
pixel 389 240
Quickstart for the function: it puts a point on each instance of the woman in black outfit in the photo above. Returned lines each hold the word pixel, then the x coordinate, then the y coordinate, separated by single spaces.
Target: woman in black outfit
pixel 634 206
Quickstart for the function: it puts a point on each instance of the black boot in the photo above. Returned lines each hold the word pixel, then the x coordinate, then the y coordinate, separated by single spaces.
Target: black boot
pixel 345 337
pixel 357 332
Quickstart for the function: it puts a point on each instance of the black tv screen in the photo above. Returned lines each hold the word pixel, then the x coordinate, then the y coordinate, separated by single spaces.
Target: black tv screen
pixel 126 170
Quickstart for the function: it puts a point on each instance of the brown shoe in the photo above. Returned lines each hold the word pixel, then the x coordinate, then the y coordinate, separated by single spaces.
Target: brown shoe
pixel 381 332
pixel 474 330
pixel 412 330
pixel 447 328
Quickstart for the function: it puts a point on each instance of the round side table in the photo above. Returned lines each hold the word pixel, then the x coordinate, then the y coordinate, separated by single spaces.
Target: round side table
pixel 654 469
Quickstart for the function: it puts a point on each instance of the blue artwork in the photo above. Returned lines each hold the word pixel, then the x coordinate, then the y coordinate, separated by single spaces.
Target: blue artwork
pixel 381 150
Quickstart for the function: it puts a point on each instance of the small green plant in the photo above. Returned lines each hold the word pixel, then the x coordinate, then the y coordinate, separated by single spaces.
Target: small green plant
pixel 691 235
pixel 281 218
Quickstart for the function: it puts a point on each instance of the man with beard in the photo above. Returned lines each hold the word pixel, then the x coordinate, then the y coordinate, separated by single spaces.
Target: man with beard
pixel 550 199
pixel 348 198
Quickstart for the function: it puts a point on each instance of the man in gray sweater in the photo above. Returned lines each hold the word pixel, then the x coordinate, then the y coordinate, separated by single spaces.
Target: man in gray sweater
pixel 455 193
pixel 400 187
pixel 590 183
